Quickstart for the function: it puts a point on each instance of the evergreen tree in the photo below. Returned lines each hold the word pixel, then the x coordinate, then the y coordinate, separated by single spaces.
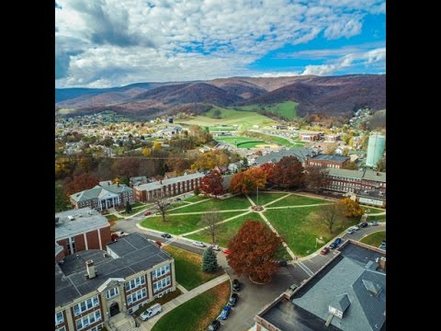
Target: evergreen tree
pixel 128 208
pixel 209 261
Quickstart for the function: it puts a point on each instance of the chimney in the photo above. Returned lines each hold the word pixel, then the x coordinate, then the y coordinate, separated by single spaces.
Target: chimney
pixel 382 263
pixel 91 273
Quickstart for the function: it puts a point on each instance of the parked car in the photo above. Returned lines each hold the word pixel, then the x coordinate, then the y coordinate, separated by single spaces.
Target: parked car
pixel 199 244
pixel 147 213
pixel 282 263
pixel 363 225
pixel 324 251
pixel 233 299
pixel 215 247
pixel 166 235
pixel 215 325
pixel 373 223
pixel 178 199
pixel 350 231
pixel 150 312
pixel 236 285
pixel 227 252
pixel 225 312
pixel 336 243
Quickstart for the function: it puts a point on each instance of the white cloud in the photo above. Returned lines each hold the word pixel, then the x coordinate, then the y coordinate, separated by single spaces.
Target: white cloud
pixel 115 42
pixel 373 57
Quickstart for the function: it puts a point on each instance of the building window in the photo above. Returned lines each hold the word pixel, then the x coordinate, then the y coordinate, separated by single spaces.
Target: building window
pixel 87 320
pixel 59 318
pixel 113 292
pixel 86 305
pixel 134 283
pixel 159 285
pixel 61 329
pixel 97 328
pixel 160 271
pixel 71 245
pixel 137 296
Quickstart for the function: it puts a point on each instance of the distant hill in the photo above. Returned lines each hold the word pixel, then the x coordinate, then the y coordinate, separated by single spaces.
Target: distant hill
pixel 332 95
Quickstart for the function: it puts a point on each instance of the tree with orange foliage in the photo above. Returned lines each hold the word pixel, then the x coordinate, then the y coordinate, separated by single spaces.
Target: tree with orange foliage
pixel 268 169
pixel 80 183
pixel 350 208
pixel 246 182
pixel 253 251
pixel 212 183
pixel 288 173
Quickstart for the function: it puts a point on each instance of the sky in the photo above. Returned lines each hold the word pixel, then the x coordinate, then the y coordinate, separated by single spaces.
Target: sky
pixel 107 43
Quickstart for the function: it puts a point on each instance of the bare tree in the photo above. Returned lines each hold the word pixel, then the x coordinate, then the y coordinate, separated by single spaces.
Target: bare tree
pixel 211 221
pixel 330 215
pixel 316 178
pixel 162 205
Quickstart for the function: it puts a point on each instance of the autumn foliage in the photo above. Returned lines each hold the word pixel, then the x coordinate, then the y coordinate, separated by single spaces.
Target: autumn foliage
pixel 210 159
pixel 288 173
pixel 268 169
pixel 80 183
pixel 350 208
pixel 246 182
pixel 252 251
pixel 212 183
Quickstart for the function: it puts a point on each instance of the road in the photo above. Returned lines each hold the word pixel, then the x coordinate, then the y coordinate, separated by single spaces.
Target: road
pixel 252 297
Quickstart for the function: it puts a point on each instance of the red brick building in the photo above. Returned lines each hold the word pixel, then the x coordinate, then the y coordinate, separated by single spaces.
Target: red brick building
pixel 167 187
pixel 329 161
pixel 310 136
pixel 78 230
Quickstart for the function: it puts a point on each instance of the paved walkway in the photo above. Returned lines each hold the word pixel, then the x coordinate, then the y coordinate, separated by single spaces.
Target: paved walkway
pixel 148 325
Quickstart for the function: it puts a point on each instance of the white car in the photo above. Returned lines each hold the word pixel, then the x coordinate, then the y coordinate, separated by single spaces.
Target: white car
pixel 373 223
pixel 150 312
pixel 215 247
pixel 198 243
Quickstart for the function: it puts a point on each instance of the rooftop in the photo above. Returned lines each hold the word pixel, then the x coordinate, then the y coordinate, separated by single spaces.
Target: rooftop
pixel 367 174
pixel 169 181
pixel 101 192
pixel 334 158
pixel 77 221
pixel 134 253
pixel 351 283
pixel 301 153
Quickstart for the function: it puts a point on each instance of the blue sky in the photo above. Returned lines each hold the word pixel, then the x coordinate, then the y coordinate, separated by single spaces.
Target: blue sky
pixel 104 43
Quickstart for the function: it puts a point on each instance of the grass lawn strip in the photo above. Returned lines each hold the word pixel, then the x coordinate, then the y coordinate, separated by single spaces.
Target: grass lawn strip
pixel 228 229
pixel 112 217
pixel 188 268
pixel 194 203
pixel 288 207
pixel 178 224
pixel 377 218
pixel 295 200
pixel 298 228
pixel 374 239
pixel 197 313
pixel 195 198
pixel 266 197
pixel 236 202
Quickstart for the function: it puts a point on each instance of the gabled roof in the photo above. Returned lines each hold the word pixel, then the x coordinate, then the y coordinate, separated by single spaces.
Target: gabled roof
pixel 100 192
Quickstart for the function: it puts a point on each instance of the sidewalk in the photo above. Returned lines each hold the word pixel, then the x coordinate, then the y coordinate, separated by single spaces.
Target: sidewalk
pixel 169 306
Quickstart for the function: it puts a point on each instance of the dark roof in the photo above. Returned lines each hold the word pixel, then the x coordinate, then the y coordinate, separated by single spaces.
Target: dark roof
pixel 334 158
pixel 347 283
pixel 301 153
pixel 135 252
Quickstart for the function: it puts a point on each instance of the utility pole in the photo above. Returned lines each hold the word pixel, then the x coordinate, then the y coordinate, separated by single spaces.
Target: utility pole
pixel 257 200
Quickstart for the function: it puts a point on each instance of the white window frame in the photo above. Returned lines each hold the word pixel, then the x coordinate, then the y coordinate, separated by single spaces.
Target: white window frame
pixel 62 318
pixel 135 283
pixel 160 284
pixel 86 305
pixel 113 292
pixel 161 271
pixel 63 328
pixel 87 320
pixel 137 296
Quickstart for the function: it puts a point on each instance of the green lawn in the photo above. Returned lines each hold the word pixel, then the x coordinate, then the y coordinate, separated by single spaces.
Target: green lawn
pixel 285 109
pixel 270 138
pixel 299 229
pixel 162 300
pixel 297 200
pixel 250 144
pixel 227 230
pixel 374 239
pixel 244 119
pixel 236 202
pixel 265 197
pixel 373 210
pixel 188 268
pixel 179 224
pixel 114 218
pixel 234 140
pixel 196 198
pixel 197 313
pixel 376 218
pixel 221 128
